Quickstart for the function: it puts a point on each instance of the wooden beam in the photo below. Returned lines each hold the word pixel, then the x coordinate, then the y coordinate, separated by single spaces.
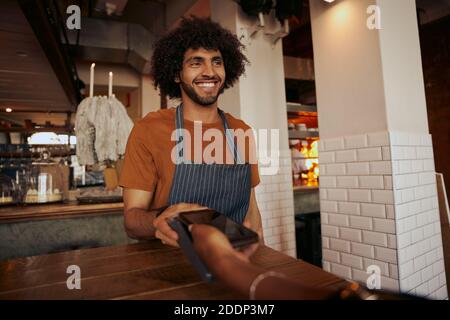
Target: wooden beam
pixel 36 13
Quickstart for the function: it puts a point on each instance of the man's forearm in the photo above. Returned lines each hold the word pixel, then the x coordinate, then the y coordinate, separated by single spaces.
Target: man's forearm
pixel 139 223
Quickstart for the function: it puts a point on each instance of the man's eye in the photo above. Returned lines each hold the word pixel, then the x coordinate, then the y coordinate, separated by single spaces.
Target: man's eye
pixel 195 64
pixel 218 62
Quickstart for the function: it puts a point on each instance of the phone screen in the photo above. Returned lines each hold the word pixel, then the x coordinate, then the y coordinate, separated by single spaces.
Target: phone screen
pixel 237 234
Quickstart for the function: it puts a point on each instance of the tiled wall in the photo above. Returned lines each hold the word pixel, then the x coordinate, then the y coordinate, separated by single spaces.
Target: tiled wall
pixel 379 207
pixel 420 255
pixel 275 202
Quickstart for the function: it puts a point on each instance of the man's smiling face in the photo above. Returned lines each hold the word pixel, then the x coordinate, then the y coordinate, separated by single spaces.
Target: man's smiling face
pixel 202 77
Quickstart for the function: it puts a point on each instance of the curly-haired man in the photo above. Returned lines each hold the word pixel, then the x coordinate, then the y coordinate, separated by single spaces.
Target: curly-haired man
pixel 195 62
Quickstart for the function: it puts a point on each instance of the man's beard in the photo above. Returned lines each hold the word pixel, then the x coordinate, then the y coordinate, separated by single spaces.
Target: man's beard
pixel 203 101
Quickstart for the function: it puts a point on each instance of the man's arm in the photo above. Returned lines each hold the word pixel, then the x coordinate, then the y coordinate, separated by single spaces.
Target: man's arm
pixel 138 221
pixel 253 217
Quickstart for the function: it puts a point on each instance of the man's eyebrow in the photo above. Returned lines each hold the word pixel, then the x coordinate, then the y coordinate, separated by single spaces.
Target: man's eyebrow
pixel 197 58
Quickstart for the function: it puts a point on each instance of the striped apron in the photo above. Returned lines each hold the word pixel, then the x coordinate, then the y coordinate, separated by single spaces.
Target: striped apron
pixel 225 188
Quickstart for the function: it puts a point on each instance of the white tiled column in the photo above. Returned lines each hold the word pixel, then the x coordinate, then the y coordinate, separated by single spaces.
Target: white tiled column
pixel 276 204
pixel 379 207
pixel 377 185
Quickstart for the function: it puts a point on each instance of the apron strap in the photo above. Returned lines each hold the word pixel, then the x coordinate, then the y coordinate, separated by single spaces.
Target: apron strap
pixel 180 137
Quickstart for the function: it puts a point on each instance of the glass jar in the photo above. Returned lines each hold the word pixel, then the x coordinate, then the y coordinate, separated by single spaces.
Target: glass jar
pixel 8 190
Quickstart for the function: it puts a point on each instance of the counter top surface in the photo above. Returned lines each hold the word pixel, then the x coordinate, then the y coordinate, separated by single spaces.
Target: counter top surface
pixel 57 210
pixel 146 270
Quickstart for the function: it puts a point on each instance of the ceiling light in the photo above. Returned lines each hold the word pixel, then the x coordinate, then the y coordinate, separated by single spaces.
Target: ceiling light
pixel 8 110
pixel 329 1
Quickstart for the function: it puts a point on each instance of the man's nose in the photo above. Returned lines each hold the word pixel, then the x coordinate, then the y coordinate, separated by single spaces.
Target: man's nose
pixel 209 70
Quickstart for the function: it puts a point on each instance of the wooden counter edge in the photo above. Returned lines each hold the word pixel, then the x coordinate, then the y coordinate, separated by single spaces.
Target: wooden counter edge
pixel 56 211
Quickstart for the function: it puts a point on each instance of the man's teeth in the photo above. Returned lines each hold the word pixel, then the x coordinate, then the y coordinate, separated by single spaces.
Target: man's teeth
pixel 207 85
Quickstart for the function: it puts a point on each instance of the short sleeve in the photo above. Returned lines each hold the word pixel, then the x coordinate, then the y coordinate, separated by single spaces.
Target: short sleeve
pixel 254 163
pixel 139 171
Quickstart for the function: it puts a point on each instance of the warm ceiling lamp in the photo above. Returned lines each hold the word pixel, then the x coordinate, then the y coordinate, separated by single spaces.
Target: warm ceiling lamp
pixel 8 110
pixel 329 1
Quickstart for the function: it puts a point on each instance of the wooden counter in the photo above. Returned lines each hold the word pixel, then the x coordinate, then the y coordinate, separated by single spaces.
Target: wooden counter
pixel 56 211
pixel 147 270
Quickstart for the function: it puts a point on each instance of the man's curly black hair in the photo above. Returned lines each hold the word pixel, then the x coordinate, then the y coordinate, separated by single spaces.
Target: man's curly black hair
pixel 195 33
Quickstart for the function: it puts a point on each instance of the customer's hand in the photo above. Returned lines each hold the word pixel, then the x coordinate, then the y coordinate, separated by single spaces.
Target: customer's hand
pixel 212 245
pixel 163 231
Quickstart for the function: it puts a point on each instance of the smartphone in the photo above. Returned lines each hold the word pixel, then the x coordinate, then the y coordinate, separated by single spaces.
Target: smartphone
pixel 238 235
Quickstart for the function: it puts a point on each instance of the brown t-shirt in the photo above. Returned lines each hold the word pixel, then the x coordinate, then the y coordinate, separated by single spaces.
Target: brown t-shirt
pixel 148 163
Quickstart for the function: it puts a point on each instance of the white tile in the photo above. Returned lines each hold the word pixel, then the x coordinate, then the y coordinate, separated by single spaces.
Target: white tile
pixel 334 144
pixel 323 194
pixel 393 271
pixel 369 154
pixel 406 269
pixel 404 166
pixel 424 152
pixel 390 212
pixel 427 273
pixel 354 235
pixel 428 230
pixel 419 192
pixel 404 240
pixel 428 165
pixel 426 204
pixel 384 225
pixel 330 255
pixel 378 139
pixel 336 169
pixel 426 140
pixel 341 271
pixel 330 231
pixel 417 235
pixel 417 166
pixel 323 217
pixel 383 196
pixel 412 282
pixel 358 168
pixel 337 194
pixel 375 238
pixel 347 182
pixel 361 222
pixel 359 195
pixel 351 260
pixel 431 257
pixel 386 254
pixel 392 241
pixel 338 219
pixel 386 153
pixel 380 167
pixel 351 208
pixel 340 245
pixel 320 146
pixel 325 243
pixel 420 263
pixel 371 182
pixel 346 156
pixel 326 266
pixel 422 290
pixel 373 210
pixel 326 157
pixel 388 182
pixel 355 141
pixel 363 250
pixel 327 182
pixel 427 178
pixel 433 284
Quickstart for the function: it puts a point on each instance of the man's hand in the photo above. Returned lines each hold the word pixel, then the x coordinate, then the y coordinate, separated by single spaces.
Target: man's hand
pixel 212 245
pixel 163 231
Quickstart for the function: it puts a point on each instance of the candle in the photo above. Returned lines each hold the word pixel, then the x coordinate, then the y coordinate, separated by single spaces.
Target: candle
pixel 91 81
pixel 110 84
